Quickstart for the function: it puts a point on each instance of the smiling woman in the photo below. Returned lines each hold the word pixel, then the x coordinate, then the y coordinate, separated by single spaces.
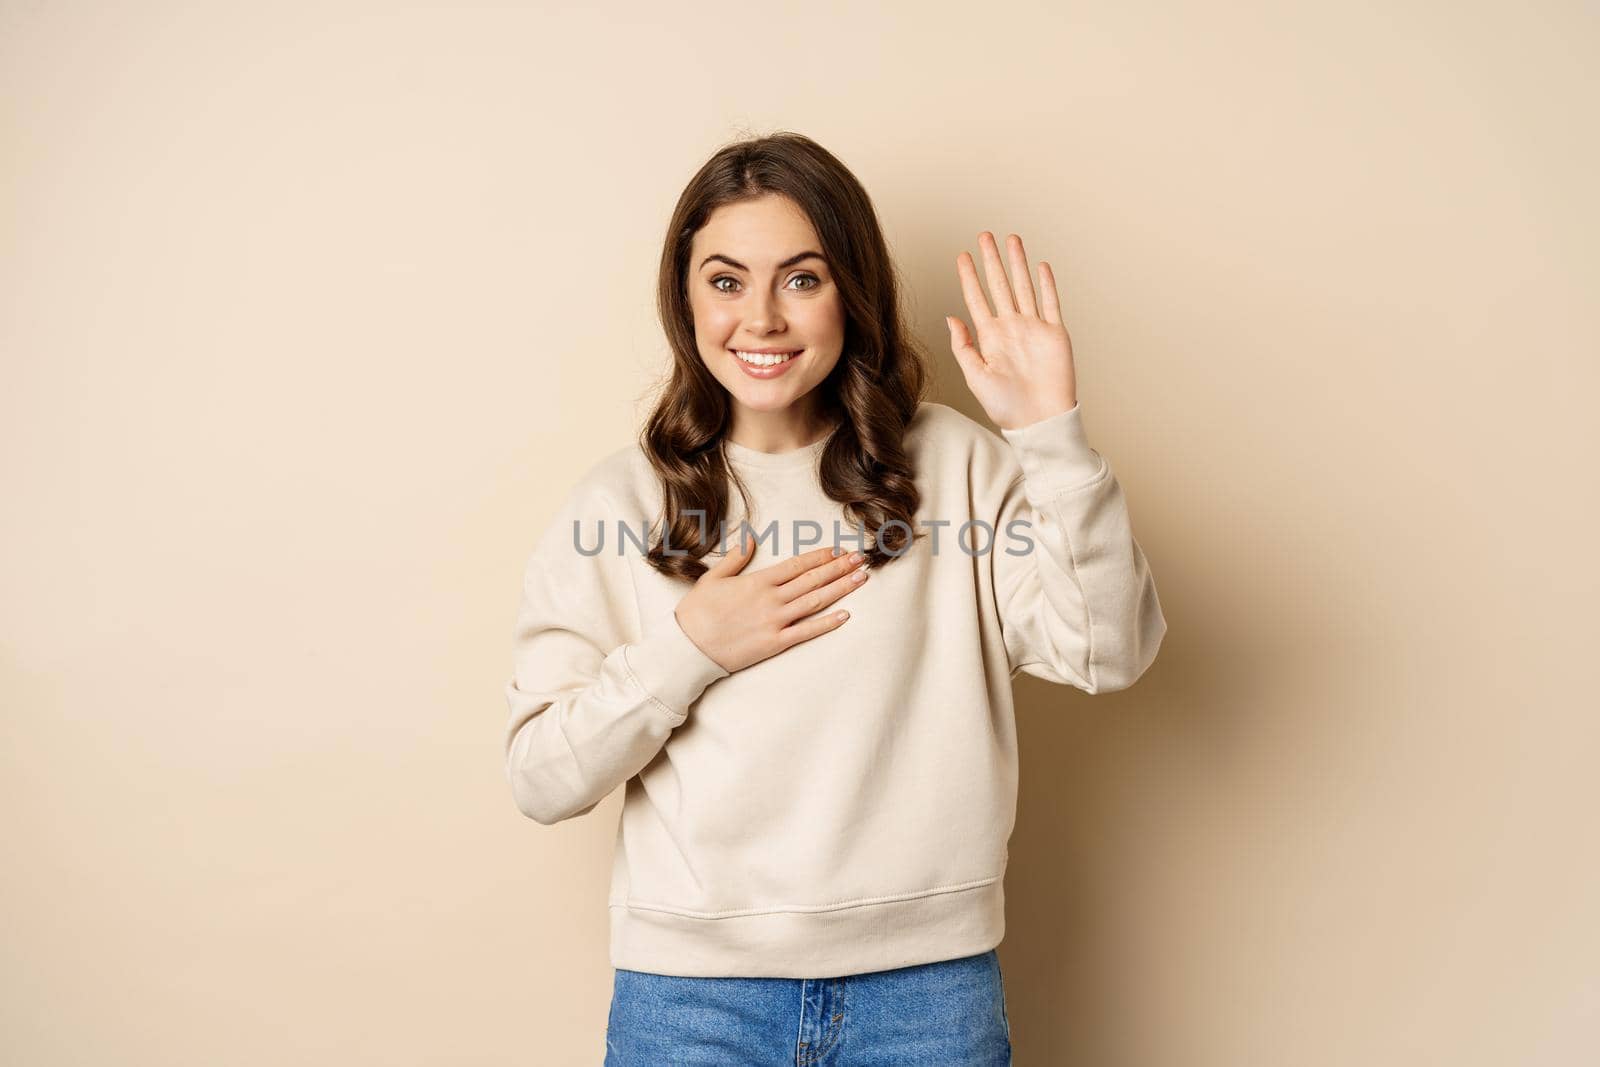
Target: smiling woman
pixel 813 840
pixel 782 309
pixel 780 322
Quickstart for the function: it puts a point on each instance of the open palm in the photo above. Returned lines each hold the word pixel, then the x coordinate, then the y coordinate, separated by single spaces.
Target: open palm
pixel 1020 370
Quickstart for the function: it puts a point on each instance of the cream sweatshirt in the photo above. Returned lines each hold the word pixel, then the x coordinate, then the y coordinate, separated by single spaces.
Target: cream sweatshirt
pixel 845 805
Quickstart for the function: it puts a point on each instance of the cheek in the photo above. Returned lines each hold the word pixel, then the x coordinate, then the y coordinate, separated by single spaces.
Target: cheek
pixel 826 317
pixel 708 314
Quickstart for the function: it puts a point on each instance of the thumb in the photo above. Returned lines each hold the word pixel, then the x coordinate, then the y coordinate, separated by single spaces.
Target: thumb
pixel 738 554
pixel 961 346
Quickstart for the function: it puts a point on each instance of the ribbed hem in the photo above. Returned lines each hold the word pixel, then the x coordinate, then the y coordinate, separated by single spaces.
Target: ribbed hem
pixel 811 944
pixel 671 669
pixel 1055 454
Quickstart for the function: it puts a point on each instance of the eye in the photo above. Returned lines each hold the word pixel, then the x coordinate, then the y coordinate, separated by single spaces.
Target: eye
pixel 815 282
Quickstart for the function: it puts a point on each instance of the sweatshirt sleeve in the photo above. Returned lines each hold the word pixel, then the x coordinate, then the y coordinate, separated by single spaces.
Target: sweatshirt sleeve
pixel 591 700
pixel 1077 601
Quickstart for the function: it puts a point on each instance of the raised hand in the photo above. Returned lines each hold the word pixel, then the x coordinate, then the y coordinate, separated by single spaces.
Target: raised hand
pixel 1020 370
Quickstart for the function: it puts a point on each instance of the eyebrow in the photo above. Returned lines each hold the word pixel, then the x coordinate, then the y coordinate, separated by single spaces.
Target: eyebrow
pixel 791 261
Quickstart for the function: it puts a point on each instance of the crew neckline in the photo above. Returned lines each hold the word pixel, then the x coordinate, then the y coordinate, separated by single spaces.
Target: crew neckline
pixel 745 456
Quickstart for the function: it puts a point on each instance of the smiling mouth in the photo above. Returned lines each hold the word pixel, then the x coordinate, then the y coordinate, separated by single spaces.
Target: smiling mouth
pixel 765 359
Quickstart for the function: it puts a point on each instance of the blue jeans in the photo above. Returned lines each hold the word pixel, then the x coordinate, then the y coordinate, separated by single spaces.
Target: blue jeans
pixel 951 1013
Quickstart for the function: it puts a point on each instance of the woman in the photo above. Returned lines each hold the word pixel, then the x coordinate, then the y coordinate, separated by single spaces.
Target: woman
pixel 812 844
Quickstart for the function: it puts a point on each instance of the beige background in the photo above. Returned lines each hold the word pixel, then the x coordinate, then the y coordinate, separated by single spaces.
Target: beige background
pixel 312 312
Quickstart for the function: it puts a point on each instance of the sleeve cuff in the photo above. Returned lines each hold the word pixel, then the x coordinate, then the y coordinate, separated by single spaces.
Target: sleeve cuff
pixel 671 668
pixel 1055 454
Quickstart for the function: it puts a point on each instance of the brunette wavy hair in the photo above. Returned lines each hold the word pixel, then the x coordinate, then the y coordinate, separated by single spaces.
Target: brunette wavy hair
pixel 872 392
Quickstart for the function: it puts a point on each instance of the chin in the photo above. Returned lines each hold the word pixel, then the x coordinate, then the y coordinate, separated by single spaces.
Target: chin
pixel 761 400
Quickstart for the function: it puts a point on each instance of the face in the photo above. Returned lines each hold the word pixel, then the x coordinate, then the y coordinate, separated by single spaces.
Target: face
pixel 754 288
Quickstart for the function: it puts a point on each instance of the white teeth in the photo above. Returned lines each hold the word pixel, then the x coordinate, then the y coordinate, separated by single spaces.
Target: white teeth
pixel 759 360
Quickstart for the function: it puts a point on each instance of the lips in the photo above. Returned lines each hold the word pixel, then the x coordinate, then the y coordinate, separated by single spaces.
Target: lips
pixel 765 357
pixel 767 365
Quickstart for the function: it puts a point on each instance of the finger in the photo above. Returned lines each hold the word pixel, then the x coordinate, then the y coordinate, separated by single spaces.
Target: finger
pixel 817 577
pixel 961 346
pixel 999 289
pixel 738 554
pixel 1020 271
pixel 818 599
pixel 1048 294
pixel 790 569
pixel 815 626
pixel 971 291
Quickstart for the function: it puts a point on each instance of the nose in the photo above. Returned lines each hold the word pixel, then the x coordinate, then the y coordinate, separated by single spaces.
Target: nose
pixel 764 314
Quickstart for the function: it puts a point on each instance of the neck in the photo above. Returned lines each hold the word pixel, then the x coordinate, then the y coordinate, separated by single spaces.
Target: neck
pixel 778 431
